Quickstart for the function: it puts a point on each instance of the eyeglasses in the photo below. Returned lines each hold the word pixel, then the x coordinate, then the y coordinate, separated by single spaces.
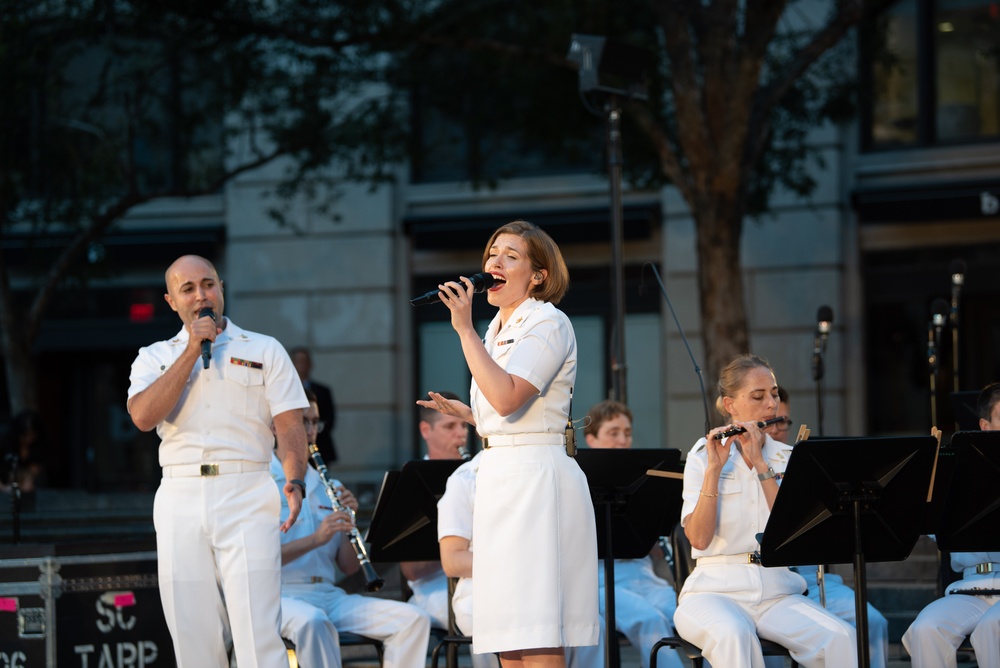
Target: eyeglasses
pixel 784 426
pixel 318 425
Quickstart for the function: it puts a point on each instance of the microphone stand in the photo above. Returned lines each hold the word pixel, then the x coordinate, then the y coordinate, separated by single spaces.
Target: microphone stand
pixel 818 370
pixel 932 363
pixel 15 498
pixel 615 161
pixel 956 286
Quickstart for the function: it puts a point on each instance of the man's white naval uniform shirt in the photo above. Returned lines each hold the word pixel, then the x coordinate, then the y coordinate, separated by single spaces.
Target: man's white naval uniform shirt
pixel 225 411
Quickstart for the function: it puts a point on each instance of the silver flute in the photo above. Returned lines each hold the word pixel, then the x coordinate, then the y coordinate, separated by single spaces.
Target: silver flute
pixel 372 581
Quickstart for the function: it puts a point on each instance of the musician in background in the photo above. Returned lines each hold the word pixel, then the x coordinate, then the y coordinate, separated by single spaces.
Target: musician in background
pixel 729 600
pixel 302 359
pixel 839 597
pixel 216 511
pixel 311 553
pixel 935 635
pixel 447 437
pixel 644 602
pixel 781 431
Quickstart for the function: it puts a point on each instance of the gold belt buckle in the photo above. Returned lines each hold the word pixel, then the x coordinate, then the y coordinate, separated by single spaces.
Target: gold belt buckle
pixel 982 569
pixel 486 442
pixel 209 469
pixel 753 558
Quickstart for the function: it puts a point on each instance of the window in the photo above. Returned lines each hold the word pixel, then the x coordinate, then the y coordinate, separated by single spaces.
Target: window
pixel 934 74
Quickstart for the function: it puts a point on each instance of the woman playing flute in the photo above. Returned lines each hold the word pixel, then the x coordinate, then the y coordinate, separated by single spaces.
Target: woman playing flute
pixel 730 600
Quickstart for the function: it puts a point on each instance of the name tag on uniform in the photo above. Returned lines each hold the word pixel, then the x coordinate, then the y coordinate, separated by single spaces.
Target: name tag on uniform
pixel 246 363
pixel 727 475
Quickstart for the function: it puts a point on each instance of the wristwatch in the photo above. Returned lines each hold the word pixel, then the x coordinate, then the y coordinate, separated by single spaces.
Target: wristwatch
pixel 301 485
pixel 766 476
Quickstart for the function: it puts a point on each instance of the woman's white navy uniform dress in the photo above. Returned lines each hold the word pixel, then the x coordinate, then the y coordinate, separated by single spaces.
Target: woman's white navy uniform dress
pixel 455 510
pixel 728 601
pixel 535 561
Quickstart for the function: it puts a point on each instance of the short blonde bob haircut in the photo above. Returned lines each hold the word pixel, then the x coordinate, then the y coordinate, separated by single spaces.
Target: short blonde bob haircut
pixel 543 253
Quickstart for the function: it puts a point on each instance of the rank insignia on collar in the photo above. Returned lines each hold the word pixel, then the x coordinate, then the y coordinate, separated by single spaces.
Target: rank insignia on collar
pixel 246 363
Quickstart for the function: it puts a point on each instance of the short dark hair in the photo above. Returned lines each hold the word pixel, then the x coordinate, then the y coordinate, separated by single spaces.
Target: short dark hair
pixel 782 395
pixel 988 398
pixel 603 411
pixel 431 415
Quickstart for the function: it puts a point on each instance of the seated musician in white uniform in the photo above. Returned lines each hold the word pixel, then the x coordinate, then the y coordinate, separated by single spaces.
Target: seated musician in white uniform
pixel 447 437
pixel 311 553
pixel 968 607
pixel 644 602
pixel 729 602
pixel 838 597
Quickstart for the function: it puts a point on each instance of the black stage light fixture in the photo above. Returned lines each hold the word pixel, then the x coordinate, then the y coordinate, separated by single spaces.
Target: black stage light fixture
pixel 610 67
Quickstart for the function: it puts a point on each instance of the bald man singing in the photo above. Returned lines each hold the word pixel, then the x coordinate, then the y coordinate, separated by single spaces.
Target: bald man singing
pixel 212 392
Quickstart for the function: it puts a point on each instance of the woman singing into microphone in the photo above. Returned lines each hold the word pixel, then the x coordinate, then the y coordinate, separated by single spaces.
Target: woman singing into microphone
pixel 730 600
pixel 535 557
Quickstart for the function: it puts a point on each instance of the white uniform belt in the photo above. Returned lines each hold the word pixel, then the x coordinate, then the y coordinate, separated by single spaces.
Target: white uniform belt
pixel 314 579
pixel 745 558
pixel 500 440
pixel 212 468
pixel 980 569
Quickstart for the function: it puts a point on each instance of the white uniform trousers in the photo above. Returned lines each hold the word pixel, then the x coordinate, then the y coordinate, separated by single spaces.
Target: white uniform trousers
pixel 840 601
pixel 218 553
pixel 645 619
pixel 431 595
pixel 588 656
pixel 727 630
pixel 317 644
pixel 936 633
pixel 404 629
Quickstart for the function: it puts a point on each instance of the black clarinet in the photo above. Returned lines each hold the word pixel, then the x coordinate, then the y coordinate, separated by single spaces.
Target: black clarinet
pixel 372 581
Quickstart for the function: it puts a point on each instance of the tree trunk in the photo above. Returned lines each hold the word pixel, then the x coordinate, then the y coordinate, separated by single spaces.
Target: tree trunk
pixel 19 368
pixel 720 282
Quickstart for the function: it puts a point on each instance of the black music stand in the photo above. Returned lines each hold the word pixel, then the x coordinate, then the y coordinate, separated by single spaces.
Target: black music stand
pixel 965 406
pixel 970 519
pixel 845 500
pixel 404 523
pixel 632 510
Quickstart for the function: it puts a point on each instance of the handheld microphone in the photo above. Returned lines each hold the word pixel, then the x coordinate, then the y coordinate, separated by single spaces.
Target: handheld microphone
pixel 480 283
pixel 206 344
